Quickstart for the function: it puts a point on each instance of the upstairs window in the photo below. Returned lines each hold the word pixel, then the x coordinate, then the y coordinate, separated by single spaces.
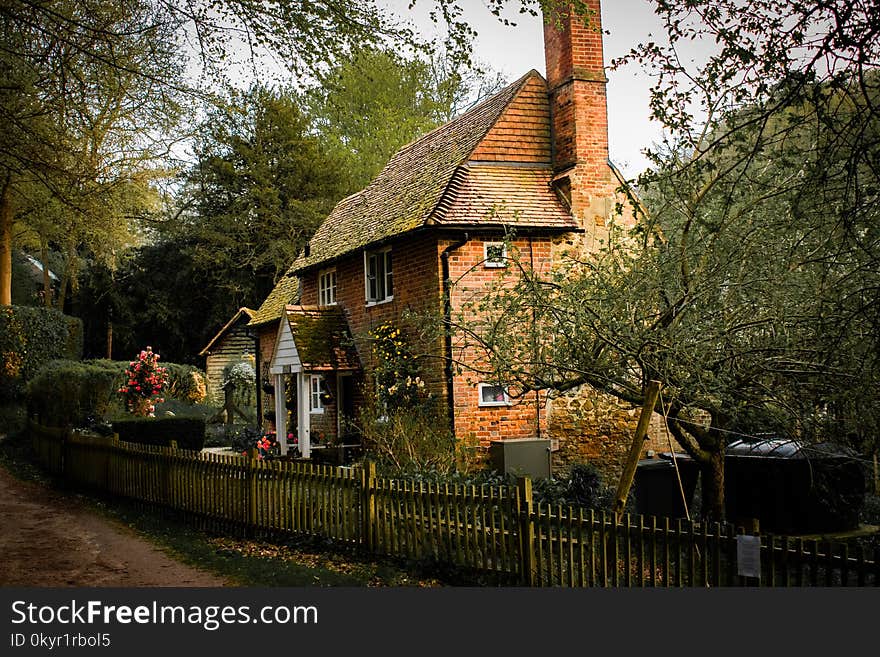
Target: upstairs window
pixel 494 254
pixel 327 287
pixel 378 274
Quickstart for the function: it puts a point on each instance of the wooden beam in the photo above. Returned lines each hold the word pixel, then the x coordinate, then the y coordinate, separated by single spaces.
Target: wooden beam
pixel 629 468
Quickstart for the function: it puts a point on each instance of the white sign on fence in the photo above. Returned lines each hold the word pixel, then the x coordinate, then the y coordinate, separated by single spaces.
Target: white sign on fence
pixel 748 556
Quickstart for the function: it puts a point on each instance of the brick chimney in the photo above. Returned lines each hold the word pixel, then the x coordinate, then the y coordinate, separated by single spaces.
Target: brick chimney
pixel 579 113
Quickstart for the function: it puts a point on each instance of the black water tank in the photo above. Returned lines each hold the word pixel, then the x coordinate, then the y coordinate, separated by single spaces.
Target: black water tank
pixel 793 488
pixel 656 485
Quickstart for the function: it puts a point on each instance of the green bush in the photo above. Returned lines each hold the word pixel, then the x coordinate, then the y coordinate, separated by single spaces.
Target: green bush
pixel 75 393
pixel 30 337
pixel 82 393
pixel 189 432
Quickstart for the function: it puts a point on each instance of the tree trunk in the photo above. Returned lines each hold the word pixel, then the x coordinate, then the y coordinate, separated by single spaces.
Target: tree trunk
pixel 713 486
pixel 6 217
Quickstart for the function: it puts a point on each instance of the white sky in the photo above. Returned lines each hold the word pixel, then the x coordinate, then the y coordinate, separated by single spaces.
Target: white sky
pixel 515 50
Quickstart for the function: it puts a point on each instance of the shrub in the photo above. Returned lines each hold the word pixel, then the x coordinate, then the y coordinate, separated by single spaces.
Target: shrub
pixel 144 381
pixel 80 393
pixel 30 337
pixel 186 383
pixel 74 393
pixel 189 432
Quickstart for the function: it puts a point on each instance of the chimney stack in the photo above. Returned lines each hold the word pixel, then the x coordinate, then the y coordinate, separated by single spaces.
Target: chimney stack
pixel 579 113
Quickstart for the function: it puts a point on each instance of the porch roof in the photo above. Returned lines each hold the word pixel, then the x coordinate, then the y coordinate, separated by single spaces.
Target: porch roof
pixel 322 337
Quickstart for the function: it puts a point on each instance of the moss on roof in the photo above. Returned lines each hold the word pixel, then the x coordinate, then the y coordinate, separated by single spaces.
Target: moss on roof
pixel 405 193
pixel 285 291
pixel 322 337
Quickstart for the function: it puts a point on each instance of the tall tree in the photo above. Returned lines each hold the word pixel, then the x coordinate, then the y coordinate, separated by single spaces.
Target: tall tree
pixel 87 95
pixel 749 288
pixel 377 101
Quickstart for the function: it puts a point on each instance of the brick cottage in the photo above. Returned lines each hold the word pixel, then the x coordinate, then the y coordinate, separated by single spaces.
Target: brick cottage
pixel 532 158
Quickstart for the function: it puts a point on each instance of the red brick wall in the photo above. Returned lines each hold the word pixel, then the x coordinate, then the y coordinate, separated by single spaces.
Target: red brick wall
pixel 521 419
pixel 417 289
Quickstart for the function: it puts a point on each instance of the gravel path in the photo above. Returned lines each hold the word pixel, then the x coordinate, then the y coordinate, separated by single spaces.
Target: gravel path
pixel 50 538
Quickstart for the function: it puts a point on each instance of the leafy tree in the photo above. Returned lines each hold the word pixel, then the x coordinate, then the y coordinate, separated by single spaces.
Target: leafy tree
pixel 749 286
pixel 262 184
pixel 87 95
pixel 377 101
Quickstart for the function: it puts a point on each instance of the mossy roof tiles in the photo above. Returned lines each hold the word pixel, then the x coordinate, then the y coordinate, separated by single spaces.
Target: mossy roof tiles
pixel 322 337
pixel 406 193
pixel 285 291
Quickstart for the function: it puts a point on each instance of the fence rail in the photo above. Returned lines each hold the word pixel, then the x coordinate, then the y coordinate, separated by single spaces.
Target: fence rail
pixel 495 530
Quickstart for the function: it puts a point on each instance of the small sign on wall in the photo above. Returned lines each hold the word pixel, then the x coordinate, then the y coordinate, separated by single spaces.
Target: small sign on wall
pixel 748 556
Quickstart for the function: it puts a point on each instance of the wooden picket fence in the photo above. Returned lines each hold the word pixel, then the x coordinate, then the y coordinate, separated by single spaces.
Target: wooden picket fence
pixel 495 532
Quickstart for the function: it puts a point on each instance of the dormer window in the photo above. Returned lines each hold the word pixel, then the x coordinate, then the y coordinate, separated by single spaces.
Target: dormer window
pixel 494 254
pixel 327 287
pixel 378 276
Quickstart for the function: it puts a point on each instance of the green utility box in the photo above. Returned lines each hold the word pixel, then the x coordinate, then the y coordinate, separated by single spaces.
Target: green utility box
pixel 521 456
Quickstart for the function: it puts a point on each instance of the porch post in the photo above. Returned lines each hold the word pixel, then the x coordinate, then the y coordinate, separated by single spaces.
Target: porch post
pixel 304 427
pixel 280 414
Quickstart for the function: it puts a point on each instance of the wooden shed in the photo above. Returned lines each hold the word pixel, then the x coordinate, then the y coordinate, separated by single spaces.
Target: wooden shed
pixel 231 345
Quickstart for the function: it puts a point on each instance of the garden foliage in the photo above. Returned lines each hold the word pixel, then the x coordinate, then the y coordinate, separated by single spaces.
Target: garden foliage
pixel 81 393
pixel 31 337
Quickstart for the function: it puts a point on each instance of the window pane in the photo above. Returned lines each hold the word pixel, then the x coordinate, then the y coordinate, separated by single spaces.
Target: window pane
pixel 492 394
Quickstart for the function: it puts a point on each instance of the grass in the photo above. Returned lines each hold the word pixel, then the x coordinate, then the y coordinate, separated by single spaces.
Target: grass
pixel 242 562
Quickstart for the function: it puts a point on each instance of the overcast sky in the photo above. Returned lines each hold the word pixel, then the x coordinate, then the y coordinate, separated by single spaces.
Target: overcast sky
pixel 516 50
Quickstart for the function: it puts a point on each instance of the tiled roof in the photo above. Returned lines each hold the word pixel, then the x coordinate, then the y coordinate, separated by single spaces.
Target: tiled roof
pixel 322 337
pixel 246 312
pixel 406 192
pixel 513 195
pixel 285 291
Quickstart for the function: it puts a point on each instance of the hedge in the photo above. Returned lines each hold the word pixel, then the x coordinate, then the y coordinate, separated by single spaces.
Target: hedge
pixel 30 337
pixel 81 393
pixel 75 393
pixel 189 432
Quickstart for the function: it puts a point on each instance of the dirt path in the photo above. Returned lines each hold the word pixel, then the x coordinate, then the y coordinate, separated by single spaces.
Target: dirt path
pixel 48 538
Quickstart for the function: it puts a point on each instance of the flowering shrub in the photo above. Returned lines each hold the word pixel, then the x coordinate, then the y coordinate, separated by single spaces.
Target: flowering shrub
pixel 398 382
pixel 145 380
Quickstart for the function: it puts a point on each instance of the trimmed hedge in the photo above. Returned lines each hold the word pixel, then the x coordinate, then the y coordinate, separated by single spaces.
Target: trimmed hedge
pixel 30 337
pixel 75 393
pixel 81 393
pixel 189 432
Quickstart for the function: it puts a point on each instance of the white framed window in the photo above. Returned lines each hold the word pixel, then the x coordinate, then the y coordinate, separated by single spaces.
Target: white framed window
pixel 316 388
pixel 327 287
pixel 378 276
pixel 494 254
pixel 492 395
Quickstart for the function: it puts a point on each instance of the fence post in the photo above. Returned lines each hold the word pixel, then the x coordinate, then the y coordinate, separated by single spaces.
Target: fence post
pixel 526 529
pixel 368 504
pixel 251 478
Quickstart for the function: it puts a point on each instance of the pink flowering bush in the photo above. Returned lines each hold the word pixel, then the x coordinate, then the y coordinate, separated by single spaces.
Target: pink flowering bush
pixel 145 380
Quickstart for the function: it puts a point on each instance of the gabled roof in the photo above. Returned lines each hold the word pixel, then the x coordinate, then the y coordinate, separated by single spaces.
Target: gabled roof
pixel 285 291
pixel 247 313
pixel 415 184
pixel 322 338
